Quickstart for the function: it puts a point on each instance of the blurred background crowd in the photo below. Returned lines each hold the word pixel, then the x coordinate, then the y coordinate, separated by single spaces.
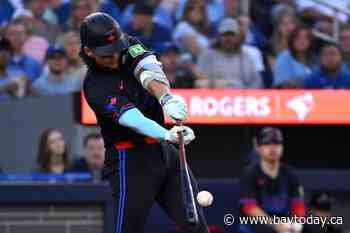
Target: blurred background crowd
pixel 201 43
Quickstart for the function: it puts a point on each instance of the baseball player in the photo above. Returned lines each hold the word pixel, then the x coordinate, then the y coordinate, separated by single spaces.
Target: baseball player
pixel 128 91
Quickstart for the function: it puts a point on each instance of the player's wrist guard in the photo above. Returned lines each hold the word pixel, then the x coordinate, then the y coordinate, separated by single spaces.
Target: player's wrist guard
pixel 165 98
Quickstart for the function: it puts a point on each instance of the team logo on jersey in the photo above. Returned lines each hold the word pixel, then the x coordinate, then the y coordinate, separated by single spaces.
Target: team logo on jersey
pixel 302 105
pixel 111 102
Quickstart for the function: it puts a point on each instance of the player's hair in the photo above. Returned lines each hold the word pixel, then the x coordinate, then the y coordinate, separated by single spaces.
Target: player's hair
pixel 90 136
pixel 44 154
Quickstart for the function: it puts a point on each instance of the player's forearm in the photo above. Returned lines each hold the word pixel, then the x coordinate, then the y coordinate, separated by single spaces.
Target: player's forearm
pixel 136 121
pixel 157 89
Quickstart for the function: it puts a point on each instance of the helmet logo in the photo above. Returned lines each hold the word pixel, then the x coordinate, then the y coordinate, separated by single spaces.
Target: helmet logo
pixel 111 35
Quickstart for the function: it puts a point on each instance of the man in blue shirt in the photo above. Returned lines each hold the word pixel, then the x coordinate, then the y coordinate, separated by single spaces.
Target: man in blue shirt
pixel 331 74
pixel 55 80
pixel 150 33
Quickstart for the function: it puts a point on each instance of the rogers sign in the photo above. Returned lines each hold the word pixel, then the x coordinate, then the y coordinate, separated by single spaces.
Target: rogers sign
pixel 225 106
pixel 228 106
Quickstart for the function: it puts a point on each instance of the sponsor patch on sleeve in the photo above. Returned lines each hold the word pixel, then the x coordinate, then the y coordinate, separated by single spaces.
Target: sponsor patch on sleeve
pixel 136 50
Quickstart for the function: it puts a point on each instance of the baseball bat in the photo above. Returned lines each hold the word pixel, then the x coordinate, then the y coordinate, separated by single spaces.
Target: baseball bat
pixel 186 186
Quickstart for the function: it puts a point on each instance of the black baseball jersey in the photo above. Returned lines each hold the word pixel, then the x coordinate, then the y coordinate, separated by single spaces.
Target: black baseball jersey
pixel 274 196
pixel 112 92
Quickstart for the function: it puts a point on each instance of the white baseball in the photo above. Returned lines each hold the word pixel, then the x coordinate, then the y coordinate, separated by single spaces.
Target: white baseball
pixel 205 198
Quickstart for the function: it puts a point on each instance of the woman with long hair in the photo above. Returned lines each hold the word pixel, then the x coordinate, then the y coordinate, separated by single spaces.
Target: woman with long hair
pixel 52 152
pixel 192 31
pixel 294 65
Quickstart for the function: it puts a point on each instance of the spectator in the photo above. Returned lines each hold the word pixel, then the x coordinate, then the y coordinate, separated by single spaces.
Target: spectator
pixel 179 68
pixel 191 32
pixel 150 33
pixel 214 9
pixel 94 155
pixel 20 63
pixel 344 40
pixel 39 25
pixel 226 64
pixel 270 188
pixel 162 13
pixel 251 36
pixel 331 73
pixel 55 80
pixel 294 65
pixel 285 23
pixel 35 45
pixel 10 85
pixel 321 206
pixel 79 9
pixel 52 152
pixel 76 67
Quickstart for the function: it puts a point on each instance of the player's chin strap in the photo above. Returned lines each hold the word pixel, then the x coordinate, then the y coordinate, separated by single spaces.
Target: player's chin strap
pixel 151 69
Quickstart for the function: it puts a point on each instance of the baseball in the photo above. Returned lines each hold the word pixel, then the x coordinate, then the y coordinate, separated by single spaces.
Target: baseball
pixel 205 198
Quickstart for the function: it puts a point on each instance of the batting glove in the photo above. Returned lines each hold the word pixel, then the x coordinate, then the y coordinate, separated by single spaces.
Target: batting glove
pixel 174 107
pixel 173 136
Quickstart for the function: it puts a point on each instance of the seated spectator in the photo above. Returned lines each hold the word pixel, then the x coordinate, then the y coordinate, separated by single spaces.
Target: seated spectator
pixel 162 14
pixel 39 26
pixel 215 9
pixel 179 68
pixel 93 158
pixel 285 23
pixel 52 152
pixel 55 80
pixel 344 39
pixel 76 67
pixel 294 65
pixel 20 63
pixel 331 74
pixel 227 64
pixel 191 33
pixel 10 84
pixel 321 206
pixel 35 46
pixel 150 33
pixel 270 188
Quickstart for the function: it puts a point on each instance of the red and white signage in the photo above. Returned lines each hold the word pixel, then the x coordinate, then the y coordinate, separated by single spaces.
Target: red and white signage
pixel 227 106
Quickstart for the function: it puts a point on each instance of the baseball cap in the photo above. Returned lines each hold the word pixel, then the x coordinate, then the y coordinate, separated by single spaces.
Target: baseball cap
pixel 55 49
pixel 270 135
pixel 5 44
pixel 228 25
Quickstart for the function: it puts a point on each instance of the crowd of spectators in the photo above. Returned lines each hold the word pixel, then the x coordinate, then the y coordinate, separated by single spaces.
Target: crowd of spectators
pixel 201 43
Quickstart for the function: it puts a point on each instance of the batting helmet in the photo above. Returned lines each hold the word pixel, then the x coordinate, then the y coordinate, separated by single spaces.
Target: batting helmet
pixel 102 34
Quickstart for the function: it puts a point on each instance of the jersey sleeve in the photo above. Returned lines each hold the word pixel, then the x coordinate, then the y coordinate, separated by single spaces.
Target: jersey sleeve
pixel 248 194
pixel 109 107
pixel 296 193
pixel 135 53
